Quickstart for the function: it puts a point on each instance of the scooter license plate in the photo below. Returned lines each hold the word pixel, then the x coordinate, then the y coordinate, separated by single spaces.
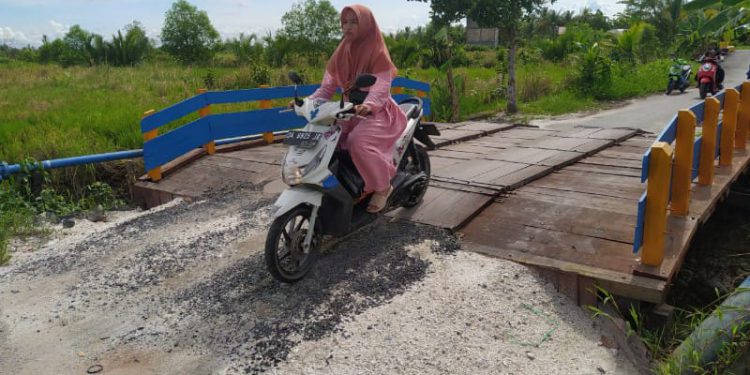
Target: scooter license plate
pixel 302 139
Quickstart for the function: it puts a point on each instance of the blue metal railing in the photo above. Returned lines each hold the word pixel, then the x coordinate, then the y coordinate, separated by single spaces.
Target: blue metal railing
pixel 223 128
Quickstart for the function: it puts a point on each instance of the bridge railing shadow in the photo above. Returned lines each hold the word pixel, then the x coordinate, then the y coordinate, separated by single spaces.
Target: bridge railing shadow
pixel 203 132
pixel 678 158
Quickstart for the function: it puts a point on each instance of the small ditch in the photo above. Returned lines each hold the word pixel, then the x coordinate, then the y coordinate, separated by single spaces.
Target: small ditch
pixel 719 258
pixel 717 262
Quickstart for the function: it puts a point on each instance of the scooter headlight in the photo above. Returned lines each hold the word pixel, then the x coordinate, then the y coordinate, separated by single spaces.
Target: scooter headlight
pixel 293 174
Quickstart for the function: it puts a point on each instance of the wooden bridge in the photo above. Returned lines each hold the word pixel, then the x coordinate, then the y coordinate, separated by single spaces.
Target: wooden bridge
pixel 572 203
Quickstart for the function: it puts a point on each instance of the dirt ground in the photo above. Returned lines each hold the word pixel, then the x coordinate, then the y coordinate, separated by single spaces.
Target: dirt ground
pixel 182 289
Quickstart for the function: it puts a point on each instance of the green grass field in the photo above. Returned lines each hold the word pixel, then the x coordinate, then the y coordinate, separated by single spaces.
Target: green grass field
pixel 50 112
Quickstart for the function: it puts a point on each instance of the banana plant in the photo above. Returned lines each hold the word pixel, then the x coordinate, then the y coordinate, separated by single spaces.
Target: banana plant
pixel 729 14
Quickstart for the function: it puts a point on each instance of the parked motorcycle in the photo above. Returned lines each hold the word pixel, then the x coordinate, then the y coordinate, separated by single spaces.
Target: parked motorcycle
pixel 324 183
pixel 679 76
pixel 707 77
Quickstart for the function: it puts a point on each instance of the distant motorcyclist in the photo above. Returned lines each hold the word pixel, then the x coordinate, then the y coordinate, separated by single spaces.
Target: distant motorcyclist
pixel 712 56
pixel 679 75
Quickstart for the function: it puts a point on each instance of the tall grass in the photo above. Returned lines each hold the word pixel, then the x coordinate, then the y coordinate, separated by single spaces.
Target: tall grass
pixel 637 80
pixel 49 112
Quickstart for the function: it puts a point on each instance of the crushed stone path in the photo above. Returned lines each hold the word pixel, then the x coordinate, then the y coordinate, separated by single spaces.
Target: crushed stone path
pixel 182 289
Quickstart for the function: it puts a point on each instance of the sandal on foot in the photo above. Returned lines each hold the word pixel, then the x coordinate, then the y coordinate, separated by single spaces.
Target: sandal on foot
pixel 361 198
pixel 378 201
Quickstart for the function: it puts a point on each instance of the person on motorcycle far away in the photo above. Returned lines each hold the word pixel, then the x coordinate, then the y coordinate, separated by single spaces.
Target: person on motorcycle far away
pixel 369 140
pixel 712 56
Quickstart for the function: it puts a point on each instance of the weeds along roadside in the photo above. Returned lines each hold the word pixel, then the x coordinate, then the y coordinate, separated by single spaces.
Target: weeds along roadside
pixel 31 200
pixel 717 262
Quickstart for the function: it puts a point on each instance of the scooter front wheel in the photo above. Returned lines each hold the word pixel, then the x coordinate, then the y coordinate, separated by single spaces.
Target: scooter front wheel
pixel 286 258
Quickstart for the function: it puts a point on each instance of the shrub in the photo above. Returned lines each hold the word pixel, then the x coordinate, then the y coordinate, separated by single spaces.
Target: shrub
pixel 534 87
pixel 594 72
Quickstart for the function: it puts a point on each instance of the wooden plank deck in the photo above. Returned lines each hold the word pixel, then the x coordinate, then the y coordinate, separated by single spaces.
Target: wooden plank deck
pixel 577 224
pixel 498 162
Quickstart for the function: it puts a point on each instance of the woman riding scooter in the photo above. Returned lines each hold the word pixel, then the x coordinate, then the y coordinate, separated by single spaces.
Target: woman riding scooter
pixel 369 141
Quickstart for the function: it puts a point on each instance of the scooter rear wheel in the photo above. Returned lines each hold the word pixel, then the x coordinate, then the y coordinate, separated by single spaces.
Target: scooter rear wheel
pixel 704 89
pixel 285 256
pixel 418 161
pixel 670 86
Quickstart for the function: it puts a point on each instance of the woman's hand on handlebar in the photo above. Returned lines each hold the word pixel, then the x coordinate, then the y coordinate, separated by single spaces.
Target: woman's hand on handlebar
pixel 362 109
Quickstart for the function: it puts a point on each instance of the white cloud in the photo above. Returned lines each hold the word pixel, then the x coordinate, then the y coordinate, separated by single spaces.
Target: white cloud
pixel 58 27
pixel 12 37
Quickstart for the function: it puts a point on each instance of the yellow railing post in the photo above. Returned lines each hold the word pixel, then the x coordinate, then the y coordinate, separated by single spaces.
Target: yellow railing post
pixel 743 117
pixel 708 147
pixel 683 162
pixel 421 94
pixel 398 90
pixel 266 104
pixel 728 127
pixel 657 200
pixel 154 174
pixel 210 147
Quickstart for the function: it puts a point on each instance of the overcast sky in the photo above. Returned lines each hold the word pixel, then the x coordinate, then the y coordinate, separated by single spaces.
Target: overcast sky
pixel 24 22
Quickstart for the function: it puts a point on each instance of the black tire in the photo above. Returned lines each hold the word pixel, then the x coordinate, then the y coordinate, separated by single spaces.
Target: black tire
pixel 704 89
pixel 418 161
pixel 294 264
pixel 670 86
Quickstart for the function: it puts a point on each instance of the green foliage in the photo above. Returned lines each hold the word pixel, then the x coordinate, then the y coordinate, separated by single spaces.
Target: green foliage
pixel 404 51
pixel 662 340
pixel 631 81
pixel 505 15
pixel 557 49
pixel 188 34
pixel 664 15
pixel 638 44
pixel 245 48
pixel 80 47
pixel 595 19
pixel 21 205
pixel 313 27
pixel 594 72
pixel 80 44
pixel 127 50
pixel 260 74
pixel 57 51
pixel 559 103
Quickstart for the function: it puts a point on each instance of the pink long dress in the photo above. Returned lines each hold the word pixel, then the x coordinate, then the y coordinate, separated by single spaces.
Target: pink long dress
pixel 370 141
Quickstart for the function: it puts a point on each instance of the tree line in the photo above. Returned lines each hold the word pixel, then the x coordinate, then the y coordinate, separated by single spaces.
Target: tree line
pixel 530 31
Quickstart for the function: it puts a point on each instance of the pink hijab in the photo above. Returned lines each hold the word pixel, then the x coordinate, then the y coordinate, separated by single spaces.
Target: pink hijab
pixel 366 54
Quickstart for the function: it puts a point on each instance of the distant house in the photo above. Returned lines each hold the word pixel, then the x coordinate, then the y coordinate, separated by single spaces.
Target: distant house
pixel 481 36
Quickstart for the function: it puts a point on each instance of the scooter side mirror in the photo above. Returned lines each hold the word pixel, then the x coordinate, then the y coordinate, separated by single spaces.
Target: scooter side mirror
pixel 295 78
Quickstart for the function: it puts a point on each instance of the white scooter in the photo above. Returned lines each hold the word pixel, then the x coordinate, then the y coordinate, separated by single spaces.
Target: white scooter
pixel 324 183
